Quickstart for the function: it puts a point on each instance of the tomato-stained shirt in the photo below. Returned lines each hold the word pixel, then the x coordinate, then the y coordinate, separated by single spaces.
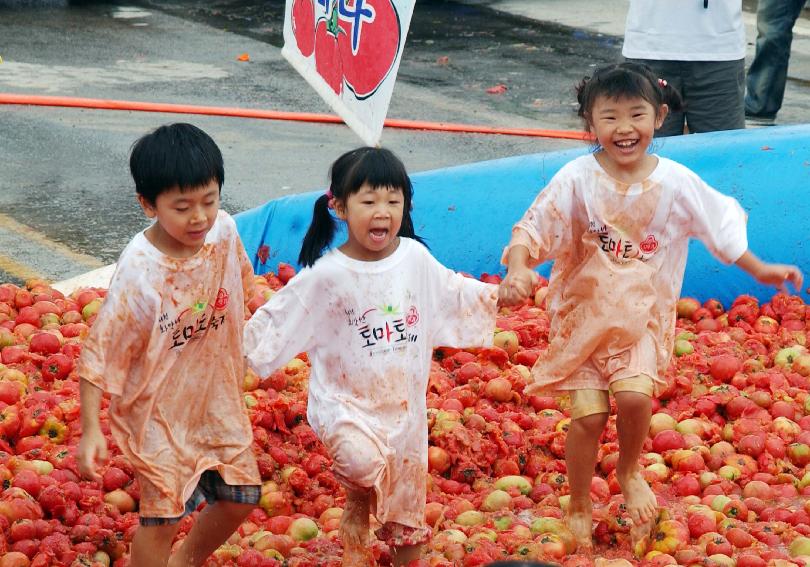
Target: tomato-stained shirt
pixel 369 329
pixel 167 346
pixel 619 254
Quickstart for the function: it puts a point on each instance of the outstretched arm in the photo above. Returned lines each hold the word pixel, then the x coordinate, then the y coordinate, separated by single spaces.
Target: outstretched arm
pixel 770 274
pixel 542 232
pixel 280 329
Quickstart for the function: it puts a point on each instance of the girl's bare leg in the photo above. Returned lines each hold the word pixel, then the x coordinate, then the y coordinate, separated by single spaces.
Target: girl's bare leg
pixel 354 525
pixel 581 446
pixel 633 425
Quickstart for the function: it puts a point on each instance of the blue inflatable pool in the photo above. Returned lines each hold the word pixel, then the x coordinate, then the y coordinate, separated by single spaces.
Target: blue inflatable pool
pixel 466 213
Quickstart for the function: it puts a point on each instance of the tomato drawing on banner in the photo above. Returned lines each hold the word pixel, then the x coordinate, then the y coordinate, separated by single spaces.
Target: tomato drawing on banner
pixel 355 42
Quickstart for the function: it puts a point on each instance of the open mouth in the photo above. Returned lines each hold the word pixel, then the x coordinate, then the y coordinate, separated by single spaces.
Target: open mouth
pixel 378 234
pixel 197 234
pixel 626 145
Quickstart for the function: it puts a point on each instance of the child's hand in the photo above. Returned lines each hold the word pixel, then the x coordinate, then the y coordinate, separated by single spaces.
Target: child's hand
pixel 778 275
pixel 92 452
pixel 516 286
pixel 771 274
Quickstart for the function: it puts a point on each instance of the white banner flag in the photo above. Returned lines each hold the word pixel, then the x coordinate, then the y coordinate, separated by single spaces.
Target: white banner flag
pixel 349 51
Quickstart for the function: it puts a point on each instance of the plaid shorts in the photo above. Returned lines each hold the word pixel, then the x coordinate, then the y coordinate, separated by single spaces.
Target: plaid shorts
pixel 210 489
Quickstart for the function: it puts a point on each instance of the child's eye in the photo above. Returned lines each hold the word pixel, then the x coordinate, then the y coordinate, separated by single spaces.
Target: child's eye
pixel 181 209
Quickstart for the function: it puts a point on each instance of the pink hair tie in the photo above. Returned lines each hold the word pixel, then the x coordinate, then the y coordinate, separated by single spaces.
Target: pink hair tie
pixel 329 194
pixel 662 83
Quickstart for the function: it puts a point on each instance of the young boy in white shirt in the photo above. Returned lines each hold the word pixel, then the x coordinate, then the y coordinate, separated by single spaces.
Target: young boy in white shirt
pixel 167 347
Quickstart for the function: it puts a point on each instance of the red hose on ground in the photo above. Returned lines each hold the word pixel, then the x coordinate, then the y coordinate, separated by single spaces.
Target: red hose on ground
pixel 103 104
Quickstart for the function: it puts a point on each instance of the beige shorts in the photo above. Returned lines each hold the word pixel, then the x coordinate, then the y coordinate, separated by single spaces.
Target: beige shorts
pixel 589 402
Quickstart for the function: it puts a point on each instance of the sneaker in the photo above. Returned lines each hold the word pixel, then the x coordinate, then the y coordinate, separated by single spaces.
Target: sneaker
pixel 752 121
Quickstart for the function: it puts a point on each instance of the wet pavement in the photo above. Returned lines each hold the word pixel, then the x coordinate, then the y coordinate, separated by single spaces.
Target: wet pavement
pixel 538 62
pixel 608 20
pixel 64 171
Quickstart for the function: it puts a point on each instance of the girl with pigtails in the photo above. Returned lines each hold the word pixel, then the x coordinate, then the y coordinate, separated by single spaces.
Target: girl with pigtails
pixel 369 314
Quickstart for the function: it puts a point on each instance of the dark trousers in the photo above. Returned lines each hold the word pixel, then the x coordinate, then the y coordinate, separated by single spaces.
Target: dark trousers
pixel 768 72
pixel 713 94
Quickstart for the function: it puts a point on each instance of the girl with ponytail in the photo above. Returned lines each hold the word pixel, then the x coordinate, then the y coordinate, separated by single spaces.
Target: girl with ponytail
pixel 369 169
pixel 369 314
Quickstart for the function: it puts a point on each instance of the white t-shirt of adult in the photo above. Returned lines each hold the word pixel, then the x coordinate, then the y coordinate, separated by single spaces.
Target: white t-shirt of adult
pixel 683 30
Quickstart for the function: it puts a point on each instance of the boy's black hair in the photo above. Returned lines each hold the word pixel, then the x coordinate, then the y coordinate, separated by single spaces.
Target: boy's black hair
pixel 626 80
pixel 378 168
pixel 175 155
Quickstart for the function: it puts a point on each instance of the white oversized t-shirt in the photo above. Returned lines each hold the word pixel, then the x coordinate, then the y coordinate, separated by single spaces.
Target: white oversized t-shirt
pixel 369 329
pixel 167 346
pixel 619 256
pixel 683 30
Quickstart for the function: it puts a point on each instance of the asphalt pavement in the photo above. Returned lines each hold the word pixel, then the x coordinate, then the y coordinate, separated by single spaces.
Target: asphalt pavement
pixel 66 201
pixel 606 19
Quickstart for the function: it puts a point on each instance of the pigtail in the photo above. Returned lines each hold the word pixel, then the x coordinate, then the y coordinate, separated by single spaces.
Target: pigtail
pixel 377 167
pixel 406 229
pixel 582 98
pixel 670 96
pixel 628 79
pixel 320 233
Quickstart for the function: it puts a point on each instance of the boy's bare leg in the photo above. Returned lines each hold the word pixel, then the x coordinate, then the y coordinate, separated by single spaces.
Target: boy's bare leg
pixel 212 528
pixel 152 545
pixel 354 525
pixel 581 447
pixel 633 425
pixel 406 553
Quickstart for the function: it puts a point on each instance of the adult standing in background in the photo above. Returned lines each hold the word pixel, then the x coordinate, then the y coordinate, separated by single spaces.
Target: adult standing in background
pixel 698 47
pixel 768 72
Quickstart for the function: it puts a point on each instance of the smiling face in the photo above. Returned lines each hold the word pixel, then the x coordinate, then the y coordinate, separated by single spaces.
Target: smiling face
pixel 183 218
pixel 374 217
pixel 624 128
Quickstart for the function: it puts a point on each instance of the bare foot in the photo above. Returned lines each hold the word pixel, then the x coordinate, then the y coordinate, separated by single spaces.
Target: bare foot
pixel 354 525
pixel 641 506
pixel 353 557
pixel 406 553
pixel 602 562
pixel 579 520
pixel 356 551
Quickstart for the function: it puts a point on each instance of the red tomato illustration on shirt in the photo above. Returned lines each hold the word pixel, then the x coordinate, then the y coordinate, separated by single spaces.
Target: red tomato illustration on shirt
pixel 353 41
pixel 649 244
pixel 412 317
pixel 222 299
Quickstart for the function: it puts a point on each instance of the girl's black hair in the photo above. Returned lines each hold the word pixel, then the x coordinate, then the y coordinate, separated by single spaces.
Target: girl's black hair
pixel 626 80
pixel 175 155
pixel 376 167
